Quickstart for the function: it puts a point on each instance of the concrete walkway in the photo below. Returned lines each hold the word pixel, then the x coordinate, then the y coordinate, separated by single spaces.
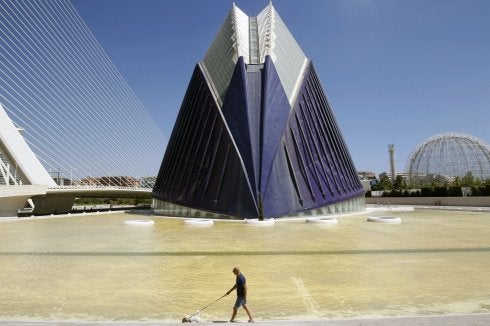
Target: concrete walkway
pixel 444 320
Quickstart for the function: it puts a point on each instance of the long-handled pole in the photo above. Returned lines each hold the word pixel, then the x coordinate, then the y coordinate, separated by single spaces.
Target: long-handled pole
pixel 224 295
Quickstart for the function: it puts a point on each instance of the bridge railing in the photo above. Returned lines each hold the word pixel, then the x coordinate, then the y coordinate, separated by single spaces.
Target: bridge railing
pixel 64 188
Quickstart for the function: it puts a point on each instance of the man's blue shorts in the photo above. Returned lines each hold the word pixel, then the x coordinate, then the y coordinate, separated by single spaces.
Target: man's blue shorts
pixel 240 301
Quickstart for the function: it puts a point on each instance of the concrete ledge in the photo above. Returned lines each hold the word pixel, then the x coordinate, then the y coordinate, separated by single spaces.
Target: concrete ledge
pixel 437 320
pixel 474 201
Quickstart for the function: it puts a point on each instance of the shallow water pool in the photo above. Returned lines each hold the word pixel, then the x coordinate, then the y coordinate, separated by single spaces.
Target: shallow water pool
pixel 95 267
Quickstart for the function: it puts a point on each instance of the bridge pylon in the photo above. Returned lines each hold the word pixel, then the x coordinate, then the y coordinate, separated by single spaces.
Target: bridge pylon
pixel 21 173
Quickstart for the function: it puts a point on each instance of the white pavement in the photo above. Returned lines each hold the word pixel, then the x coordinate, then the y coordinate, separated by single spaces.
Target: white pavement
pixel 482 319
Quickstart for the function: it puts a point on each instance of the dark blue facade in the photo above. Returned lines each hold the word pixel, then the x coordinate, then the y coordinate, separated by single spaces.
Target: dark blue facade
pixel 256 156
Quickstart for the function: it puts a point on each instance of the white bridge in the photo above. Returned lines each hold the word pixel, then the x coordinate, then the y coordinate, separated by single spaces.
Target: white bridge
pixel 99 191
pixel 22 177
pixel 67 116
pixel 59 199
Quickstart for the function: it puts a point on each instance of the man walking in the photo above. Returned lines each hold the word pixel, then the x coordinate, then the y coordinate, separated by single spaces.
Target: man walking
pixel 241 294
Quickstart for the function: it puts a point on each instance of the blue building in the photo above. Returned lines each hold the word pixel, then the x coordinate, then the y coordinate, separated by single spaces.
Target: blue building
pixel 256 136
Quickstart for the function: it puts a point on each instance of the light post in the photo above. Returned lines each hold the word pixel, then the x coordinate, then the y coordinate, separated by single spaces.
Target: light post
pixel 15 173
pixel 71 175
pixel 51 173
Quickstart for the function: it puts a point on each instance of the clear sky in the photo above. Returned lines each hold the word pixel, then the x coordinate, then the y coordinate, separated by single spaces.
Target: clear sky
pixel 395 71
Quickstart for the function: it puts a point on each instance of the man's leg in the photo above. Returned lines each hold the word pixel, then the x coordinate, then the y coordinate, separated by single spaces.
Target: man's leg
pixel 248 313
pixel 234 314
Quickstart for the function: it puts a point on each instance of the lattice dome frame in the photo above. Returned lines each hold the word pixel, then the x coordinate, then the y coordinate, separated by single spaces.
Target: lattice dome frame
pixel 449 155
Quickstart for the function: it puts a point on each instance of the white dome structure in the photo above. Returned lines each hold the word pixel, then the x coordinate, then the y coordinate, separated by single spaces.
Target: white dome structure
pixel 449 155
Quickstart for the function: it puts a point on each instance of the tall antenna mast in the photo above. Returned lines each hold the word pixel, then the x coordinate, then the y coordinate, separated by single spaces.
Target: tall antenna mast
pixel 391 151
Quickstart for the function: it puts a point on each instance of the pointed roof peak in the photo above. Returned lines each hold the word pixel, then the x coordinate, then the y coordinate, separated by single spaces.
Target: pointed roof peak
pixel 254 38
pixel 268 7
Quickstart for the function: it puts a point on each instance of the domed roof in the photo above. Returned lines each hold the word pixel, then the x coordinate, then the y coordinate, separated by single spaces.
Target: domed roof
pixel 450 155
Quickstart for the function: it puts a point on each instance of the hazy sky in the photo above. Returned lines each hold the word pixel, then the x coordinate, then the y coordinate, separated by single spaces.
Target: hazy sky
pixel 395 71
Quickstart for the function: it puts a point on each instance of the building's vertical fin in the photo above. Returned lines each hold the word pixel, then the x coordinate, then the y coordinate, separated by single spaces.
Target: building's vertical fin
pixel 254 41
pixel 242 120
pixel 264 32
pixel 275 113
pixel 228 45
pixel 241 28
pixel 279 43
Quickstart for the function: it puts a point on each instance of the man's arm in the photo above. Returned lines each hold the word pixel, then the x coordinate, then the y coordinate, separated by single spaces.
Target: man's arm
pixel 233 288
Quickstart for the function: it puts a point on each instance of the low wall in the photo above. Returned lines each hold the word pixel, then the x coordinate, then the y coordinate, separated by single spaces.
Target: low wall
pixel 14 198
pixel 52 205
pixel 478 201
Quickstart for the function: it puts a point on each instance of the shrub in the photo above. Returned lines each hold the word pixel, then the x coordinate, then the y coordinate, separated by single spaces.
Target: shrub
pixel 426 192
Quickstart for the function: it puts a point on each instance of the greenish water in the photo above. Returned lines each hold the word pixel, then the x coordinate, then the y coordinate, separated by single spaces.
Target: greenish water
pixel 94 267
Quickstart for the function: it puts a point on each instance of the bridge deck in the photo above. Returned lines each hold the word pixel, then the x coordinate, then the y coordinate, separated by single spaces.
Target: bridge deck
pixel 99 191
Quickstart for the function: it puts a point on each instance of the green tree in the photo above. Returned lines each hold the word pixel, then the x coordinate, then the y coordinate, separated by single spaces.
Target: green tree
pixel 456 182
pixel 399 183
pixel 385 183
pixel 468 180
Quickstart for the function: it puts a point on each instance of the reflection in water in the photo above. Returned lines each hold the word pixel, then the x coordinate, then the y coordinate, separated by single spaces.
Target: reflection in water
pixel 94 267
